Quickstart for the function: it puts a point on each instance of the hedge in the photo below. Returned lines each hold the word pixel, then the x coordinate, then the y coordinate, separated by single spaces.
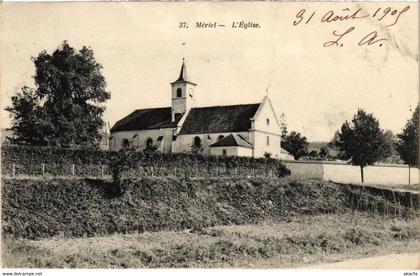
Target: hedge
pixel 94 162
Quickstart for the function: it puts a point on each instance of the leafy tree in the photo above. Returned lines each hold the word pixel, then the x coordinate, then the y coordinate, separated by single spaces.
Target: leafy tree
pixel 282 170
pixel 362 141
pixel 323 152
pixel 119 163
pixel 392 155
pixel 314 154
pixel 65 108
pixel 27 118
pixel 283 126
pixel 408 139
pixel 295 144
pixel 334 148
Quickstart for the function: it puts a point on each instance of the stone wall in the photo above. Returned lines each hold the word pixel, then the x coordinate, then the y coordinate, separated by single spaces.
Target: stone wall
pixel 346 173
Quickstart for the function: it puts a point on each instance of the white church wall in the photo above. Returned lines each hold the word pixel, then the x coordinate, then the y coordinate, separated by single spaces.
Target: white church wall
pixel 247 152
pixel 183 143
pixel 141 139
pixel 263 145
pixel 231 151
pixel 266 125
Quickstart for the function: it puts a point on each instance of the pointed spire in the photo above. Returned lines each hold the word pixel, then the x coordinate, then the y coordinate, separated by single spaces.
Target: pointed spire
pixel 183 73
pixel 183 77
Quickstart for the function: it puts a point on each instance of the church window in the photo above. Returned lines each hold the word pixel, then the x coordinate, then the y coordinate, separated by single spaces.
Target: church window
pixel 149 143
pixel 224 152
pixel 179 93
pixel 268 122
pixel 125 144
pixel 268 140
pixel 197 142
pixel 220 137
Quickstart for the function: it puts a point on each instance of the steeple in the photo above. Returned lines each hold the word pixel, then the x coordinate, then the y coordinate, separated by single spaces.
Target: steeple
pixel 183 91
pixel 183 77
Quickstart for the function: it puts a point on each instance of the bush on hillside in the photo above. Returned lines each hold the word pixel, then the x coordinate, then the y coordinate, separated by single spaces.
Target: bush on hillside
pixel 282 170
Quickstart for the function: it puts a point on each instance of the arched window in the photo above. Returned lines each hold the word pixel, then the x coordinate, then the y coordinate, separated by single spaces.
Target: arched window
pixel 268 122
pixel 220 137
pixel 125 144
pixel 149 143
pixel 268 140
pixel 197 142
pixel 179 93
pixel 223 152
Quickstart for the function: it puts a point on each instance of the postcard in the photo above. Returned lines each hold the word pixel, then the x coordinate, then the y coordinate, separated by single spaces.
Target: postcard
pixel 209 135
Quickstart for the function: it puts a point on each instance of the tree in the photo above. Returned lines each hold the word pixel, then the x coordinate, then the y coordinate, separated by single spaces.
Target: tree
pixel 283 126
pixel 323 152
pixel 65 108
pixel 392 155
pixel 314 154
pixel 362 141
pixel 407 144
pixel 295 144
pixel 119 163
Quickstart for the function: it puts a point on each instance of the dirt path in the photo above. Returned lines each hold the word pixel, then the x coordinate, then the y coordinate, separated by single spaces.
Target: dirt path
pixel 400 261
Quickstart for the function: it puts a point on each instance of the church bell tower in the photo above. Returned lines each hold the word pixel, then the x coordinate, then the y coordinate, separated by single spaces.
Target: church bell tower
pixel 183 91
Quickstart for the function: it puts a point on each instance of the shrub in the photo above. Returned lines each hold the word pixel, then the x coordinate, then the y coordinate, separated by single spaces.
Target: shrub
pixel 282 170
pixel 59 161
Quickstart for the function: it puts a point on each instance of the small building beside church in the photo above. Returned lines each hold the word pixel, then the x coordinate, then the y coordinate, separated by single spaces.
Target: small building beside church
pixel 251 130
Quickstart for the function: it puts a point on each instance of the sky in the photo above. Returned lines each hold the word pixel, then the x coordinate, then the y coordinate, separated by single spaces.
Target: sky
pixel 141 47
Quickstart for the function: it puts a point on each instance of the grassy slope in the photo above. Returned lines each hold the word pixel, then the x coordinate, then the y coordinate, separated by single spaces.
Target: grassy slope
pixel 77 207
pixel 301 240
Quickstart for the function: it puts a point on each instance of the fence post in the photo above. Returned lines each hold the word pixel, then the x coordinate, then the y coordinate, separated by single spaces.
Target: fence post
pixel 43 169
pixel 13 170
pixel 73 170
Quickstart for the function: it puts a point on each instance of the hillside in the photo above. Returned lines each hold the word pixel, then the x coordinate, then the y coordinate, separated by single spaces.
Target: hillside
pixel 83 207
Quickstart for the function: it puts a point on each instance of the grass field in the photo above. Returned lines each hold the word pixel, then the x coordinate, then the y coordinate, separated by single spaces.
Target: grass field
pixel 299 241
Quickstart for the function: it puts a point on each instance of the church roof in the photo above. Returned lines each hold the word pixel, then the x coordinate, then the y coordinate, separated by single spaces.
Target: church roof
pixel 183 77
pixel 143 119
pixel 232 140
pixel 211 119
pixel 219 119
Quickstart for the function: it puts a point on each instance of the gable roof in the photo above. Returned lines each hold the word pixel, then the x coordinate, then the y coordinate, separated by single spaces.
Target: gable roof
pixel 143 119
pixel 219 119
pixel 232 140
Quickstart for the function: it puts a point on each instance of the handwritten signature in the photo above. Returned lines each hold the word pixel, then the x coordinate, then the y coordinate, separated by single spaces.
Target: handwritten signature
pixel 380 14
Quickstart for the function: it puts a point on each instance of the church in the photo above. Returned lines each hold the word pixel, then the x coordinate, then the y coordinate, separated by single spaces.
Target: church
pixel 251 130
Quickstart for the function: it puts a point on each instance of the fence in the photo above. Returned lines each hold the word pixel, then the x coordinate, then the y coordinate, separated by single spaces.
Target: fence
pixel 103 171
